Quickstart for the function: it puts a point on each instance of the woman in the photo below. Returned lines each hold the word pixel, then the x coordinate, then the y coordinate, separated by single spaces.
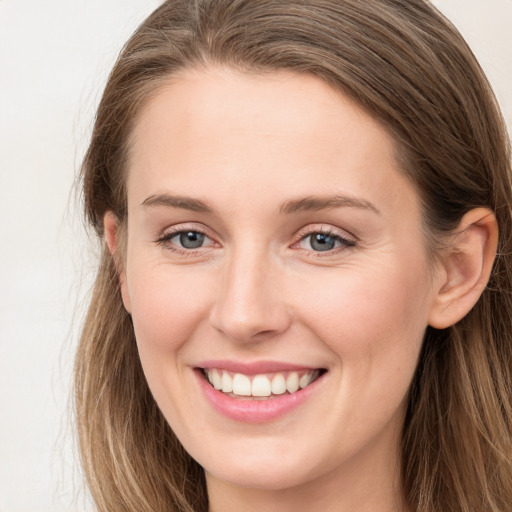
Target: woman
pixel 303 301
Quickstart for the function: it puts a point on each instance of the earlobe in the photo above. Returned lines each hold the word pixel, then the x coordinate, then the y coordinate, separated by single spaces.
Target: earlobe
pixel 111 229
pixel 467 264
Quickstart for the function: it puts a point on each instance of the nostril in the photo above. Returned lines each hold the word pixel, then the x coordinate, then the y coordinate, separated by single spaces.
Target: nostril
pixel 245 324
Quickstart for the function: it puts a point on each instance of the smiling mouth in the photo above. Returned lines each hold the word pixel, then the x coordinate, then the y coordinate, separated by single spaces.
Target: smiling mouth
pixel 262 386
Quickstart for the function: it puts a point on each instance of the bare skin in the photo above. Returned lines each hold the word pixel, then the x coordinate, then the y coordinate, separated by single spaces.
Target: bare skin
pixel 268 221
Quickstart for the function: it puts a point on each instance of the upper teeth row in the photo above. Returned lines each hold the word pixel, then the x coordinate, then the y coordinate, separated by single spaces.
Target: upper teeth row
pixel 260 385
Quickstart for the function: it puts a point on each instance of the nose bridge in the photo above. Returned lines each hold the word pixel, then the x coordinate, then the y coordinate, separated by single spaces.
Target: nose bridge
pixel 248 302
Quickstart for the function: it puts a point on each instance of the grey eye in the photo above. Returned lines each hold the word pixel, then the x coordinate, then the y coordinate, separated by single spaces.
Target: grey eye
pixel 191 239
pixel 322 242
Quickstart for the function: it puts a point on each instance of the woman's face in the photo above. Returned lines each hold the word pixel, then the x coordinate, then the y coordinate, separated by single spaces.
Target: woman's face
pixel 273 243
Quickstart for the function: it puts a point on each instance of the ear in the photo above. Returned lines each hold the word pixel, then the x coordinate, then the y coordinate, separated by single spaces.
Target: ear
pixel 111 229
pixel 466 267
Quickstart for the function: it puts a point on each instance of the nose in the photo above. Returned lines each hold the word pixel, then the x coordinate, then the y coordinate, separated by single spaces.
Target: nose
pixel 250 303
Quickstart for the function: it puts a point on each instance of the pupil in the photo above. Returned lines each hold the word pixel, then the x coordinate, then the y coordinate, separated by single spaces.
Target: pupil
pixel 321 242
pixel 191 239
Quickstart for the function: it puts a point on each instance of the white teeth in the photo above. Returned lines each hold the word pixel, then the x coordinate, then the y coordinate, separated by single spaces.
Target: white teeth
pixel 241 385
pixel 292 382
pixel 227 383
pixel 261 385
pixel 215 379
pixel 307 379
pixel 278 384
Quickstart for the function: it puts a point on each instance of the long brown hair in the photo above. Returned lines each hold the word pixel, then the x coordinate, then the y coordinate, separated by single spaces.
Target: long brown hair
pixel 407 66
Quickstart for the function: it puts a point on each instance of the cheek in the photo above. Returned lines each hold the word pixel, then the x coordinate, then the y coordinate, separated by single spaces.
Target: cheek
pixel 374 324
pixel 373 321
pixel 362 301
pixel 167 306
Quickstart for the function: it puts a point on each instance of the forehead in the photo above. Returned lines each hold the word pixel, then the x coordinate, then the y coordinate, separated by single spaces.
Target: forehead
pixel 218 130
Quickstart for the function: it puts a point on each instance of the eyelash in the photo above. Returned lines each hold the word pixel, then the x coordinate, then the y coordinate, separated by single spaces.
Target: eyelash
pixel 345 242
pixel 165 241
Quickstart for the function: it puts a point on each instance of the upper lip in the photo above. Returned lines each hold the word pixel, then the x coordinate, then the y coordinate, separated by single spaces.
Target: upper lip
pixel 254 367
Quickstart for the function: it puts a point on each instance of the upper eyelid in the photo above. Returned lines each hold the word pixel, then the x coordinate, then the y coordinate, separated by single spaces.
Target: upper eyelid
pixel 299 235
pixel 325 229
pixel 164 240
pixel 187 226
pixel 165 235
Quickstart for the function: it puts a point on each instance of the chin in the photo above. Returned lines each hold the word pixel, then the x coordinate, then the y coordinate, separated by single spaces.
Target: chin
pixel 267 467
pixel 262 477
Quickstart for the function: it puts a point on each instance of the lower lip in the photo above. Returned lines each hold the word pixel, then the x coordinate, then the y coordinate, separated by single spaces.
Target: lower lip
pixel 255 411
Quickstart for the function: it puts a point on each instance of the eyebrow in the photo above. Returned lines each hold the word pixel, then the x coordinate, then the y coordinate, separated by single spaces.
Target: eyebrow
pixel 305 204
pixel 316 203
pixel 185 203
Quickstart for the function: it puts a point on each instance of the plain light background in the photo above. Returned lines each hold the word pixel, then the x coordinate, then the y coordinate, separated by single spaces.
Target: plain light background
pixel 54 59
